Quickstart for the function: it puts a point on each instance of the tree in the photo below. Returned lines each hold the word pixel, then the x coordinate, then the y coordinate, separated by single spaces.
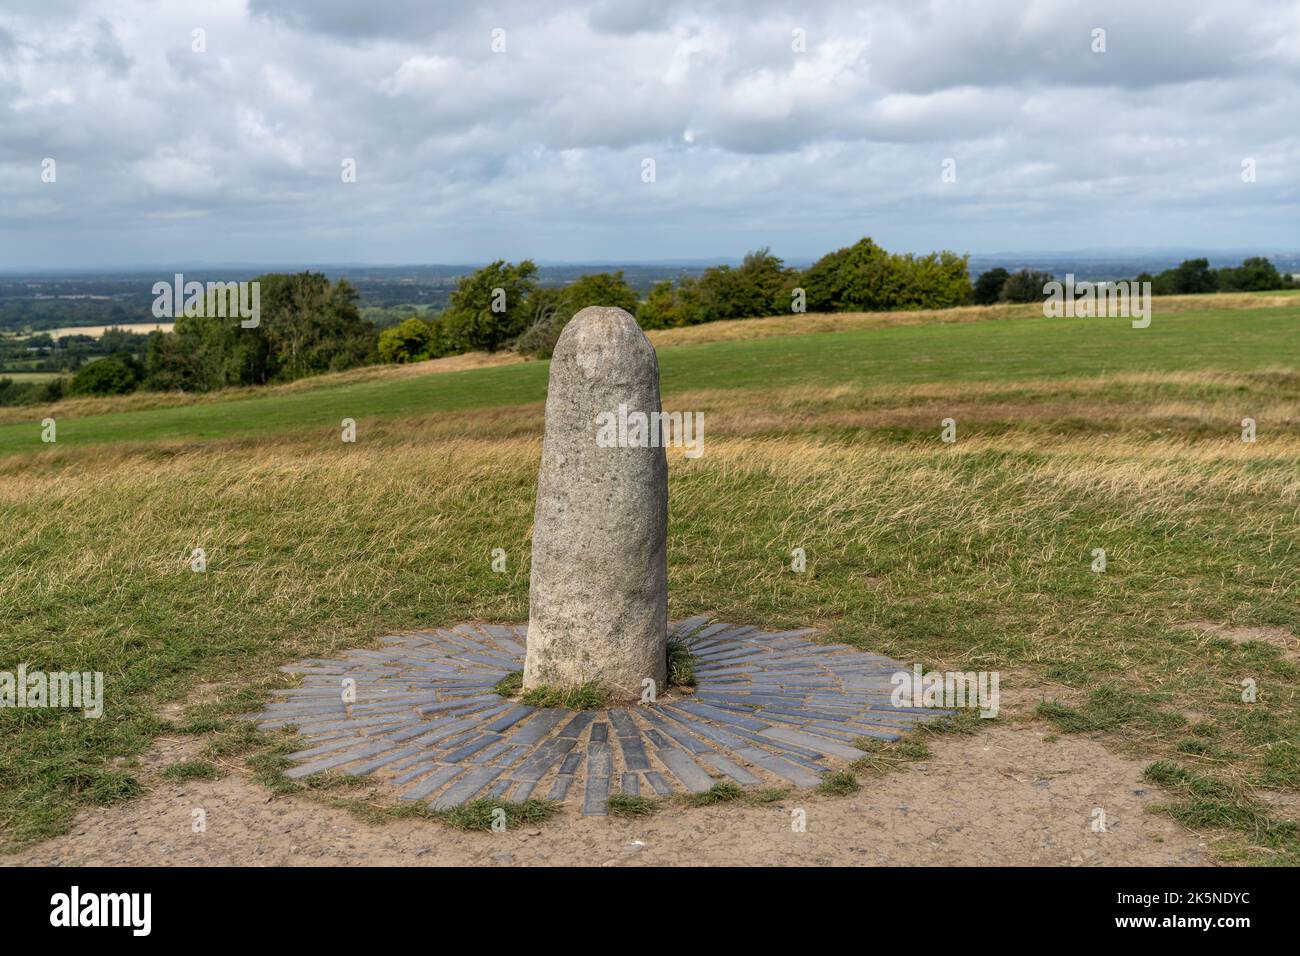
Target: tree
pixel 988 287
pixel 551 308
pixel 864 277
pixel 490 306
pixel 1026 286
pixel 407 342
pixel 1256 274
pixel 1190 277
pixel 105 376
pixel 658 309
pixel 312 326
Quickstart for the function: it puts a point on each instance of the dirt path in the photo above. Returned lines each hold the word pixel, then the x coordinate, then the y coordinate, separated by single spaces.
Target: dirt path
pixel 1005 796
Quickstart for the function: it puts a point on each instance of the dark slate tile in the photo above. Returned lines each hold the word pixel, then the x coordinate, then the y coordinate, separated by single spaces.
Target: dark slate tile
pixel 337 760
pixel 797 775
pixel 431 783
pixel 571 762
pixel 692 776
pixel 473 747
pixel 560 788
pixel 657 781
pixel 538 725
pixel 578 724
pixel 508 719
pixel 600 764
pixel 732 769
pixel 630 784
pixel 633 751
pixel 465 788
pixel 725 716
pixel 623 723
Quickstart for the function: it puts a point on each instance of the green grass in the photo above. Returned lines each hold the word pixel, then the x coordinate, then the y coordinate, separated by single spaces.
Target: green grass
pixel 724 791
pixel 628 805
pixel 841 783
pixel 1001 351
pixel 681 665
pixel 191 770
pixel 1210 803
pixel 479 814
pixel 973 556
pixel 510 685
pixel 589 696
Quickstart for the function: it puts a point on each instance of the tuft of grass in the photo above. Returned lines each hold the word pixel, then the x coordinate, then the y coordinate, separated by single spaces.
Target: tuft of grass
pixel 478 814
pixel 883 756
pixel 724 791
pixel 627 805
pixel 1208 802
pixel 510 685
pixel 191 770
pixel 1282 766
pixel 681 664
pixel 101 787
pixel 767 795
pixel 239 739
pixel 1109 707
pixel 841 783
pixel 589 696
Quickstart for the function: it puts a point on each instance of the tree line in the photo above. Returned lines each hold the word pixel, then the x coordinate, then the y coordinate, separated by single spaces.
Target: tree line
pixel 309 325
pixel 1190 277
pixel 503 307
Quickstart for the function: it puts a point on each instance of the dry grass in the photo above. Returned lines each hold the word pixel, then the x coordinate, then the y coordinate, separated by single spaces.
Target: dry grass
pixel 970 556
pixel 843 321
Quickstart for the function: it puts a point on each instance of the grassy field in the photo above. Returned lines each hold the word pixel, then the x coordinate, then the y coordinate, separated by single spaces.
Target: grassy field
pixel 31 376
pixel 1072 435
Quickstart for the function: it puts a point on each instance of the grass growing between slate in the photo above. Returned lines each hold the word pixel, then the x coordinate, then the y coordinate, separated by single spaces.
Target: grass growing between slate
pixel 973 556
pixel 839 783
pixel 589 696
pixel 681 664
pixel 478 814
pixel 510 685
pixel 628 805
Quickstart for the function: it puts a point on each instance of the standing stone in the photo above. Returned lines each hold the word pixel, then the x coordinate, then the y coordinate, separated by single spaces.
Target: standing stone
pixel 598 597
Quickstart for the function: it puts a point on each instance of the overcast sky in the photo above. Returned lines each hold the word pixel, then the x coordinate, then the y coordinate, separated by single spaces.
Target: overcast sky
pixel 466 153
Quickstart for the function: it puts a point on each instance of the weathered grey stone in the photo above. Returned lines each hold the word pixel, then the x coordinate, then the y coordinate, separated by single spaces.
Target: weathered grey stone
pixel 598 598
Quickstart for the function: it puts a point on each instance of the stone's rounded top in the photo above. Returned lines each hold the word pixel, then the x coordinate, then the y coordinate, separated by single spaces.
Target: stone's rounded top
pixel 605 340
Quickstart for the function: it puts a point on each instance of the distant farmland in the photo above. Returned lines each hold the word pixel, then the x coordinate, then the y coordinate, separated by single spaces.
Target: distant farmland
pixel 95 331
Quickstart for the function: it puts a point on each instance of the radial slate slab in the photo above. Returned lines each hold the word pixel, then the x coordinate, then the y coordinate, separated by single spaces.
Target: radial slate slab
pixel 771 708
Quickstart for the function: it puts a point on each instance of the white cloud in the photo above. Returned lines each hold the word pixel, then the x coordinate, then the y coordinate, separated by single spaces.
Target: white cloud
pixel 465 154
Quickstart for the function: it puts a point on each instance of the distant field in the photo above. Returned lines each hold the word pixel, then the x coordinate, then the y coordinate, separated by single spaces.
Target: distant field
pixel 96 331
pixel 1072 435
pixel 31 376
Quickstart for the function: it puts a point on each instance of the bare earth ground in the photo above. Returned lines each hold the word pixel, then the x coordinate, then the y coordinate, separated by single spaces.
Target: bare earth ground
pixel 1010 795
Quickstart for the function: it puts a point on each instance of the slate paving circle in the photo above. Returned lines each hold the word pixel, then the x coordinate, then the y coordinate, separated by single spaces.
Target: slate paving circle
pixel 771 708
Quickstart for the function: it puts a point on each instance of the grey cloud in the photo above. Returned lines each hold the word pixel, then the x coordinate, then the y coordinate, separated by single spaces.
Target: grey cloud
pixel 468 154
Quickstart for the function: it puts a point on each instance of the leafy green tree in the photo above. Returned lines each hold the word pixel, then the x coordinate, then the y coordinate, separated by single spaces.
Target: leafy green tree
pixel 864 277
pixel 1190 277
pixel 658 310
pixel 551 308
pixel 490 306
pixel 988 287
pixel 105 376
pixel 1256 274
pixel 1026 286
pixel 407 342
pixel 312 326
